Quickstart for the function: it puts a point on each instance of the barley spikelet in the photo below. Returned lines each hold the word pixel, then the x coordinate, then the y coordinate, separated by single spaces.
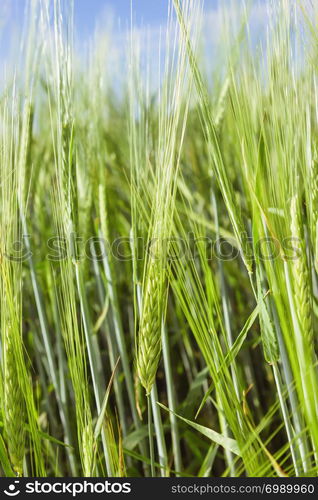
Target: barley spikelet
pixel 269 338
pixel 14 409
pixel 13 395
pixel 314 207
pixel 301 274
pixel 87 450
pixel 220 109
pixel 149 339
pixel 69 178
pixel 246 248
pixel 103 211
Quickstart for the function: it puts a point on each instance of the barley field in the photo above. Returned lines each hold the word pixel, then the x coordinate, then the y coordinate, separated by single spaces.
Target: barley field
pixel 159 247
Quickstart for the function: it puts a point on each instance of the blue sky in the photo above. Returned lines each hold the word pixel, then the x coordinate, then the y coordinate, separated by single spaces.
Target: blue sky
pixel 152 13
pixel 145 11
pixel 88 11
pixel 86 14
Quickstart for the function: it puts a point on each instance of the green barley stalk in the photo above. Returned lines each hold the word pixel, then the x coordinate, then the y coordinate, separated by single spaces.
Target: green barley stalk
pixel 66 211
pixel 302 282
pixel 13 405
pixel 173 112
pixel 74 347
pixel 11 293
pixel 18 406
pixel 149 337
pixel 313 187
pixel 216 156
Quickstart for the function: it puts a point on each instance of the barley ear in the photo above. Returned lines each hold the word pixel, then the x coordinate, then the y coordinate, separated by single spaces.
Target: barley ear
pixel 301 274
pixel 268 334
pixel 314 208
pixel 87 450
pixel 149 338
pixel 14 410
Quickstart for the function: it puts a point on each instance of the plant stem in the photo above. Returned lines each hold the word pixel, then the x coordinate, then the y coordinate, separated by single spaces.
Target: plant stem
pixel 150 437
pixel 171 401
